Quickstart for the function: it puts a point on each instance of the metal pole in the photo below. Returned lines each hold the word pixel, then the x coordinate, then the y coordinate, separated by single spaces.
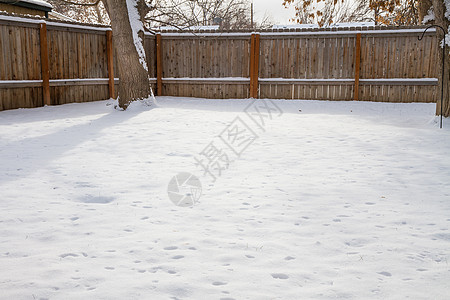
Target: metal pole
pixel 443 65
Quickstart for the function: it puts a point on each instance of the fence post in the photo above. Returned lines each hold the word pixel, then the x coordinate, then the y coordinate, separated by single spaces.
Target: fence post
pixel 159 70
pixel 44 64
pixel 357 65
pixel 110 60
pixel 254 65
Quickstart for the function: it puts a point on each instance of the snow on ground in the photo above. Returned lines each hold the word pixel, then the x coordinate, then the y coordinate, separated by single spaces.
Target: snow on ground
pixel 332 200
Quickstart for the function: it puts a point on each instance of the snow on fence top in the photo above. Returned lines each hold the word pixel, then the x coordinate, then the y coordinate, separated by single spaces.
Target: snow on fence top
pixel 56 23
pixel 365 30
pixel 337 25
pixel 192 28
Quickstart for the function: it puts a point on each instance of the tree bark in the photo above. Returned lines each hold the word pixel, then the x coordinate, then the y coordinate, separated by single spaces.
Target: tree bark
pixel 439 11
pixel 423 7
pixel 134 83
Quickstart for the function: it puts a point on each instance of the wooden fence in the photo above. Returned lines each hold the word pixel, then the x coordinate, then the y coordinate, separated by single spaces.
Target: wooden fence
pixel 388 65
pixel 56 63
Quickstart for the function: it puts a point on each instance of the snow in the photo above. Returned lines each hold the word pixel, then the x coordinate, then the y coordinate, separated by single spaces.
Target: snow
pixel 347 32
pixel 299 33
pixel 224 79
pixel 429 17
pixel 331 200
pixel 81 80
pixel 447 9
pixel 60 24
pixel 20 19
pixel 387 80
pixel 337 25
pixel 20 81
pixel 200 34
pixel 400 79
pixel 203 27
pixel 306 79
pixel 67 25
pixel 447 15
pixel 38 2
pixel 61 16
pixel 136 27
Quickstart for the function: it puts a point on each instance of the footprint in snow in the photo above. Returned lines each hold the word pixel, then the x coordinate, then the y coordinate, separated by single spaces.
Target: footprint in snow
pixel 83 184
pixel 96 199
pixel 217 283
pixel 279 276
pixel 384 273
pixel 68 255
pixel 171 248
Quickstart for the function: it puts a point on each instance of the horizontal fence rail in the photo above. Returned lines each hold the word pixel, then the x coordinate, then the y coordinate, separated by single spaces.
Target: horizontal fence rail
pixel 56 62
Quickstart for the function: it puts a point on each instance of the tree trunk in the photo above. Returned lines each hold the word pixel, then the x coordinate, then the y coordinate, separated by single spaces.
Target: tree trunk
pixel 423 7
pixel 134 83
pixel 439 10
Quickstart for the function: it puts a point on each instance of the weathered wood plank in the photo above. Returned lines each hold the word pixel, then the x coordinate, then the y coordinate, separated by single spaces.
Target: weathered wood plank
pixel 159 71
pixel 357 65
pixel 44 65
pixel 110 54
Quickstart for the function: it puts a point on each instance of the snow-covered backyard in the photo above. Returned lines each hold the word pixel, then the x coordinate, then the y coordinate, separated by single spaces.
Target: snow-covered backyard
pixel 330 200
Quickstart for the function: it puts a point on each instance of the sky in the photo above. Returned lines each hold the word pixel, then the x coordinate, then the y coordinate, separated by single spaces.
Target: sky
pixel 274 9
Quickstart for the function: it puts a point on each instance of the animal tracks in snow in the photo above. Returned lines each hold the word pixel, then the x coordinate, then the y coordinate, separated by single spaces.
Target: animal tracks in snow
pixel 88 216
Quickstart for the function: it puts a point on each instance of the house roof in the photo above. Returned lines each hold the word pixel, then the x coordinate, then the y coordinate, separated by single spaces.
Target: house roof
pixel 33 4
